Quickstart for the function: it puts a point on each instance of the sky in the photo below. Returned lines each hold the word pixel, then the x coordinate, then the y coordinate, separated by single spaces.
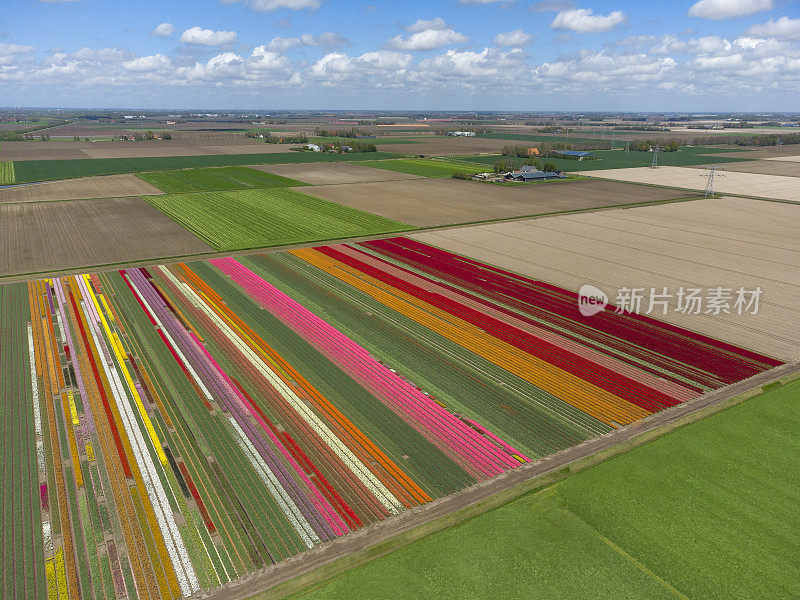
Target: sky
pixel 481 55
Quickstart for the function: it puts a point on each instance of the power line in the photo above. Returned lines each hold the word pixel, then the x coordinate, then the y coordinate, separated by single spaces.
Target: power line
pixel 713 171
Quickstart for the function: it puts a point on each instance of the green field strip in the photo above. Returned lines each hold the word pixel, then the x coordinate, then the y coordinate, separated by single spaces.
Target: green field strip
pixel 215 179
pixel 425 167
pixel 7 172
pixel 28 171
pixel 268 217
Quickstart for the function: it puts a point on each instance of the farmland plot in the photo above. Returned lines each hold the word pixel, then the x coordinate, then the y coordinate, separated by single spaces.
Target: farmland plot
pixel 425 168
pixel 215 179
pixel 268 217
pixel 439 201
pixel 79 189
pixel 41 236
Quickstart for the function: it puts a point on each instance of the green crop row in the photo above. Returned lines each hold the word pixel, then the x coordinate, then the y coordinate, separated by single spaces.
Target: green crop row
pixel 269 217
pixel 6 172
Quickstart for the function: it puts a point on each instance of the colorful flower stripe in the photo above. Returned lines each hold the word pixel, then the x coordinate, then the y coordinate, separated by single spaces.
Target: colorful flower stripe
pixel 170 429
pixel 470 449
pixel 725 361
pixel 571 390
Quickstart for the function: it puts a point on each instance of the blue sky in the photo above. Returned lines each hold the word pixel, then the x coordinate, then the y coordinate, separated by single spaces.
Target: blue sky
pixel 466 55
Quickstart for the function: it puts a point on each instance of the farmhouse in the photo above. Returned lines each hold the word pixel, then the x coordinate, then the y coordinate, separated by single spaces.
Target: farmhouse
pixel 313 147
pixel 462 133
pixel 525 176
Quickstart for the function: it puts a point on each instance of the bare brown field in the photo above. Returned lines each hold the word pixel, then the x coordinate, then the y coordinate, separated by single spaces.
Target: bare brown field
pixel 333 173
pixel 731 182
pixel 430 202
pixel 729 242
pixel 133 151
pixel 47 236
pixel 78 189
pixel 771 166
pixel 254 148
pixel 43 151
pixel 766 152
pixel 784 158
pixel 442 146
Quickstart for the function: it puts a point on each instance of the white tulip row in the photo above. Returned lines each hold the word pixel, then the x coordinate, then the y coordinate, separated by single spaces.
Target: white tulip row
pixel 184 571
pixel 37 419
pixel 287 505
pixel 195 300
pixel 367 477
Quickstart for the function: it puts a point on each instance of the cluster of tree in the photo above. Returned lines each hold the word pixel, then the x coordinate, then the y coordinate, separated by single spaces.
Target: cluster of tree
pixel 547 148
pixel 647 145
pixel 738 125
pixel 554 129
pixel 504 166
pixel 20 135
pixel 346 133
pixel 274 139
pixel 344 146
pixel 461 175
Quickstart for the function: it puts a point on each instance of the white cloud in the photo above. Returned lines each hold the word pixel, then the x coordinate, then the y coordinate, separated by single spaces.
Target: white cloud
pixel 8 49
pixel 582 20
pixel 208 37
pixel 148 64
pixel 427 35
pixel 326 40
pixel 337 67
pixel 270 5
pixel 163 30
pixel 424 25
pixel 262 59
pixel 784 28
pixel 513 39
pixel 726 9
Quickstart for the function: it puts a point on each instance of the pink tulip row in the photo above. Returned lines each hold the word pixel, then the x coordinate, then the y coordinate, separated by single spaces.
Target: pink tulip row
pixel 477 454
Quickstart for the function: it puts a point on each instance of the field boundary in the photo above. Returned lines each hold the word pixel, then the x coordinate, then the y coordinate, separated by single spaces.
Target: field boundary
pixel 334 558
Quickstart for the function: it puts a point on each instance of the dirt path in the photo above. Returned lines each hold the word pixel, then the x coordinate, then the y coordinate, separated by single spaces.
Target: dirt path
pixel 368 537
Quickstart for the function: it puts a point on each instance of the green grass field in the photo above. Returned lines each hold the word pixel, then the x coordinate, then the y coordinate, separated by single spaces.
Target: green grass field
pixel 45 170
pixel 426 167
pixel 617 159
pixel 6 172
pixel 215 179
pixel 707 511
pixel 270 217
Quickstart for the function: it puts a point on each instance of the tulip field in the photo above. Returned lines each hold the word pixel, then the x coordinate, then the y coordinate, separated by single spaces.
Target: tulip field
pixel 171 428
